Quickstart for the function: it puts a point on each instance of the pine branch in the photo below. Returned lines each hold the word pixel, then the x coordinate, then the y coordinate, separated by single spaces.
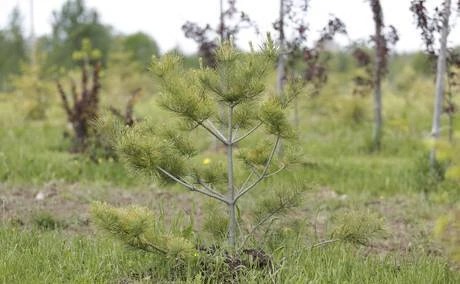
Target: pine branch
pixel 208 188
pixel 191 187
pixel 247 179
pixel 324 243
pixel 158 249
pixel 235 132
pixel 258 225
pixel 216 129
pixel 218 135
pixel 277 171
pixel 263 175
pixel 247 134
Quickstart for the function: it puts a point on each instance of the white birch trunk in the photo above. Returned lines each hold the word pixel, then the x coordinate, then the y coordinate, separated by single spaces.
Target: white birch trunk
pixel 440 77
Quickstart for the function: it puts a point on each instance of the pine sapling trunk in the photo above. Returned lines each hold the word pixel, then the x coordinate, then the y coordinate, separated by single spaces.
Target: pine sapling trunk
pixel 440 76
pixel 231 189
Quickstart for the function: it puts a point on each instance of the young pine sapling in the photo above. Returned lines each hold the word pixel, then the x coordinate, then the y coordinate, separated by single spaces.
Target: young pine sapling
pixel 237 84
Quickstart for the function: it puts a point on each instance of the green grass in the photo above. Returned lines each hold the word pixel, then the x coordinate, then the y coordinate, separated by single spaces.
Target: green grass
pixel 343 264
pixel 54 257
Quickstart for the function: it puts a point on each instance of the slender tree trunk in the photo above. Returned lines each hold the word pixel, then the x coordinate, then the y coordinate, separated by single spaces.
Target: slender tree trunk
pixel 378 72
pixel 232 225
pixel 378 121
pixel 440 77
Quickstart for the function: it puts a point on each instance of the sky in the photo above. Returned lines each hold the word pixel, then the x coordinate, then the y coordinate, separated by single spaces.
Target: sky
pixel 162 19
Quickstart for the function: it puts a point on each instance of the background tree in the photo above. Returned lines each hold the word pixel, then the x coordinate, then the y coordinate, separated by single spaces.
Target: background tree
pixel 127 71
pixel 141 47
pixel 428 26
pixel 380 68
pixel 84 106
pixel 70 25
pixel 33 89
pixel 440 76
pixel 297 55
pixel 13 48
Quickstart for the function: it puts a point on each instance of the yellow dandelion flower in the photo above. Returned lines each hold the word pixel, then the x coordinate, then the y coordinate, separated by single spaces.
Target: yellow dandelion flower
pixel 206 161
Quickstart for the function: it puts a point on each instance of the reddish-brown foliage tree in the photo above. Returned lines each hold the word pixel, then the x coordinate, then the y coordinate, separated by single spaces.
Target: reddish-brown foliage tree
pixel 84 106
